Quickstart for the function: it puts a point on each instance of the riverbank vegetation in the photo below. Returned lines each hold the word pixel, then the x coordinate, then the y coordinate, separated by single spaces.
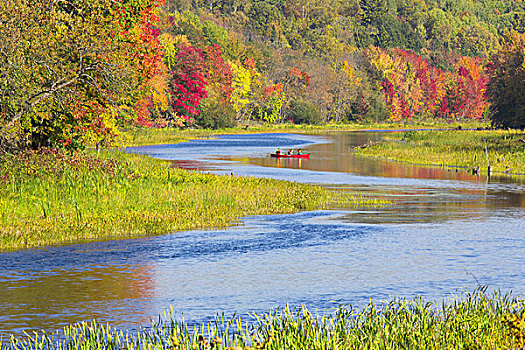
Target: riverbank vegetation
pixel 504 152
pixel 471 321
pixel 52 196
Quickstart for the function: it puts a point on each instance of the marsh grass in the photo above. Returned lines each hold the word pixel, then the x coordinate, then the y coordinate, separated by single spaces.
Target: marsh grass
pixel 473 320
pixel 456 148
pixel 54 197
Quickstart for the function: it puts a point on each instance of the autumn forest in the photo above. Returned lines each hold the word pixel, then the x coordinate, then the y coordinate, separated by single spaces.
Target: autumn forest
pixel 76 73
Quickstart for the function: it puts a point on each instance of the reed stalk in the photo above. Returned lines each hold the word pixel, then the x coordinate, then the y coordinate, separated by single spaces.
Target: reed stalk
pixel 471 320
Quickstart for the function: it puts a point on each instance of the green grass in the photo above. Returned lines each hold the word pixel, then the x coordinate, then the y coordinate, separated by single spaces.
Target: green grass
pixel 461 148
pixel 53 197
pixel 470 321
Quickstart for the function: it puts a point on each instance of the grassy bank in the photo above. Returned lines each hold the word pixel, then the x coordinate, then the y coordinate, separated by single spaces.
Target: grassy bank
pixel 151 136
pixel 462 148
pixel 53 197
pixel 473 321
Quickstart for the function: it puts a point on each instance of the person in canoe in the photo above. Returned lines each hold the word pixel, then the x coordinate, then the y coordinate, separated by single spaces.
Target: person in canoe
pixel 278 152
pixel 290 152
pixel 299 151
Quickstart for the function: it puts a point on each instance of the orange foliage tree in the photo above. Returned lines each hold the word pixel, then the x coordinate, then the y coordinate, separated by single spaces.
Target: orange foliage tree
pixel 467 88
pixel 412 88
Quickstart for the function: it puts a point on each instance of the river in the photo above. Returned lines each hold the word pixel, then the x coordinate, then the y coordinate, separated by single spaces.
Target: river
pixel 446 230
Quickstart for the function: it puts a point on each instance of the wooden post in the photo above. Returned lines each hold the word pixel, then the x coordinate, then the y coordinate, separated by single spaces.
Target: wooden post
pixel 489 170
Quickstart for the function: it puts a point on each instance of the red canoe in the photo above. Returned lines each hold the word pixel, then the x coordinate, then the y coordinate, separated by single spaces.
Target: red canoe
pixel 284 155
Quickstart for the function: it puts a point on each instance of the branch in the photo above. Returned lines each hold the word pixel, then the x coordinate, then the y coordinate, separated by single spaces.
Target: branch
pixel 56 86
pixel 36 99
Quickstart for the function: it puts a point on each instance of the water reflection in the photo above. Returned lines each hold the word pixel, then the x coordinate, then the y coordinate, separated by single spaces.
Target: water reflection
pixel 294 163
pixel 41 292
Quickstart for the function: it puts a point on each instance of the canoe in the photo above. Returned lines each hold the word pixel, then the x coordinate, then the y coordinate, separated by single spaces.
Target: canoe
pixel 285 155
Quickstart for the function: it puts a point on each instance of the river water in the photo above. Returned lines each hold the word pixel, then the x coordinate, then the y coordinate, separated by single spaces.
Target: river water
pixel 446 231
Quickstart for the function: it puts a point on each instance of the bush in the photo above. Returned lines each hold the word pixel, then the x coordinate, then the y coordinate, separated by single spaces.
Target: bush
pixel 216 115
pixel 377 110
pixel 303 112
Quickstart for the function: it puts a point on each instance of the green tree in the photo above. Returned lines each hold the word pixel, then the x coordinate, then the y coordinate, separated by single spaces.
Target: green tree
pixel 266 19
pixel 372 10
pixel 215 115
pixel 506 89
pixel 304 112
pixel 441 28
pixel 413 11
pixel 475 39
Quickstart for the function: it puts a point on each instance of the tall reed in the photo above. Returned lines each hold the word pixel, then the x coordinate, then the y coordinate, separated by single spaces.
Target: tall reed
pixel 475 320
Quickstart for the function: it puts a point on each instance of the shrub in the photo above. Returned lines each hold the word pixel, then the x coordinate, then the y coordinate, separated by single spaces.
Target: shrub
pixel 216 115
pixel 303 112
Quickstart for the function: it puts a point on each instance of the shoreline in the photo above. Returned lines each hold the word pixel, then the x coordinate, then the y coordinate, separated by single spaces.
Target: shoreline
pixel 82 210
pixel 149 137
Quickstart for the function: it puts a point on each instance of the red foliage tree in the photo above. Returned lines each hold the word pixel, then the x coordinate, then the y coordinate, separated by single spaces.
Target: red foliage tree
pixel 142 31
pixel 187 82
